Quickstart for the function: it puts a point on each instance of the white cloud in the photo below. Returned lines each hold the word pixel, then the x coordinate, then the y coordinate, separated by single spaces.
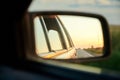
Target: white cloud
pixel 86 1
pixel 56 1
pixel 104 2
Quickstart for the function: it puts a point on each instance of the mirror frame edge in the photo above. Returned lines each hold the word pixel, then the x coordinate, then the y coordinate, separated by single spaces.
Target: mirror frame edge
pixel 105 30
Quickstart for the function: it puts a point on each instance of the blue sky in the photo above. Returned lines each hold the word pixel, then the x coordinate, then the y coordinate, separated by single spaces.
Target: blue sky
pixel 108 8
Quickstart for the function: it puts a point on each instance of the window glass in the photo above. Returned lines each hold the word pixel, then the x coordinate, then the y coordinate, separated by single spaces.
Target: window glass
pixel 64 34
pixel 40 41
pixel 54 34
pixel 54 40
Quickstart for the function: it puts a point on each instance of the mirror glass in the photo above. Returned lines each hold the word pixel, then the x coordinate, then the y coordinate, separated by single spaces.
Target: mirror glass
pixel 67 36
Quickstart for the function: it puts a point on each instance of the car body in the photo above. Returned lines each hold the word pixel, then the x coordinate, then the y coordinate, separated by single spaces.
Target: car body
pixel 57 40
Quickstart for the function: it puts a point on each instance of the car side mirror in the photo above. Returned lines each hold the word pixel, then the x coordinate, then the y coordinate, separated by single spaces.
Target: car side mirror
pixel 69 36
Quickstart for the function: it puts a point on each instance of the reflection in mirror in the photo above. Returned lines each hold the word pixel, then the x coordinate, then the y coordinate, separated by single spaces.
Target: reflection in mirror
pixel 68 37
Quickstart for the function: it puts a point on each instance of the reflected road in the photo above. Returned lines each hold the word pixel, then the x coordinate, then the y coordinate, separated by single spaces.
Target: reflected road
pixel 83 54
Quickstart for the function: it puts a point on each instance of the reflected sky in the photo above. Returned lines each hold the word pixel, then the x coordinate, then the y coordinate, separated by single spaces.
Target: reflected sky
pixel 84 31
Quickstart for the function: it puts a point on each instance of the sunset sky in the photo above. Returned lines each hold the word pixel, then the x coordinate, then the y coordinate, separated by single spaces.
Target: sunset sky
pixel 84 31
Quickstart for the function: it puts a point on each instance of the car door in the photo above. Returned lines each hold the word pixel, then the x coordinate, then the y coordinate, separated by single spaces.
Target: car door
pixel 56 42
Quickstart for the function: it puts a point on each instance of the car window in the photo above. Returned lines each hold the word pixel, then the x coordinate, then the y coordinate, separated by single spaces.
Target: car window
pixel 47 38
pixel 64 34
pixel 40 40
pixel 53 32
pixel 55 41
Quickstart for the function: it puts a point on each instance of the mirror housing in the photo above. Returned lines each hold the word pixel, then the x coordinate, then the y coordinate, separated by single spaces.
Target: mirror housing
pixel 104 26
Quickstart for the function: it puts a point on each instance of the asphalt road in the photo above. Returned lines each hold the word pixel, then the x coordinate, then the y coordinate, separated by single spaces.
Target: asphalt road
pixel 83 54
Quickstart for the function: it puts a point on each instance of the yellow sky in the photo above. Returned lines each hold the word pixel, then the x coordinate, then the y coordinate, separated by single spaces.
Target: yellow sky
pixel 84 31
